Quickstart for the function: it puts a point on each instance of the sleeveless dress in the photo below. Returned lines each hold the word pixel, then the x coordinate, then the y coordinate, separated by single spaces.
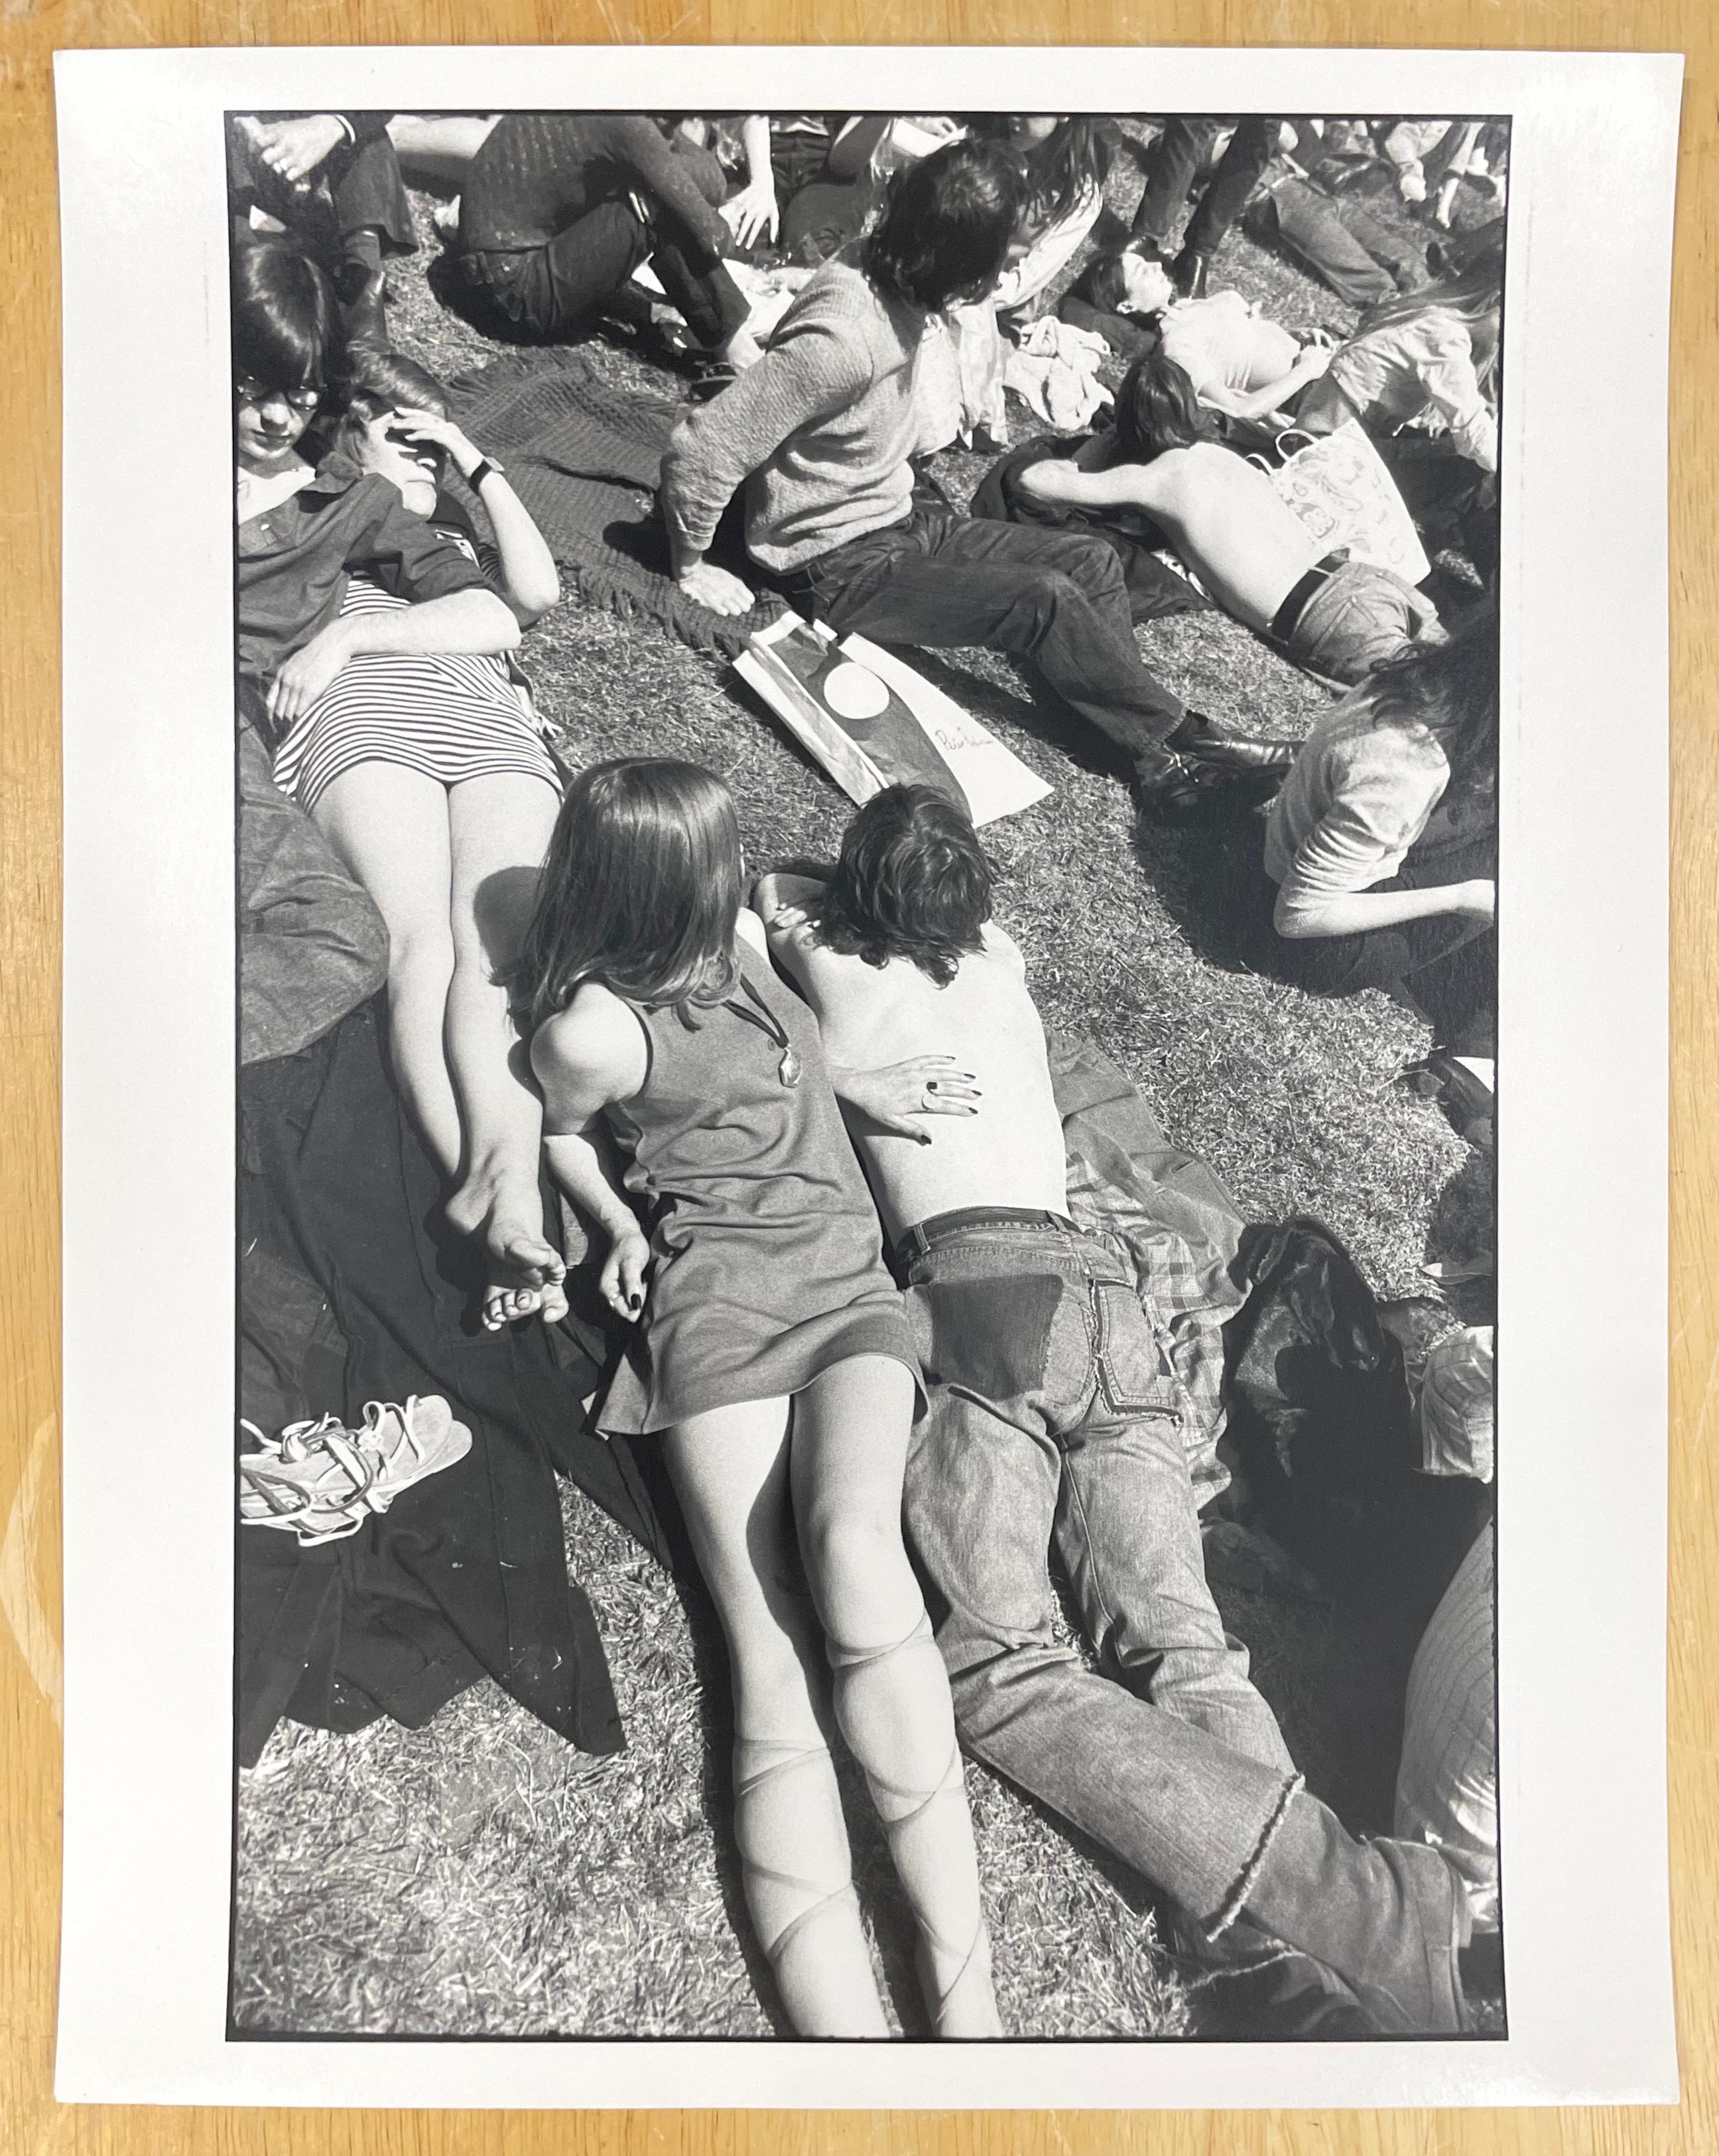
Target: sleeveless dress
pixel 769 1259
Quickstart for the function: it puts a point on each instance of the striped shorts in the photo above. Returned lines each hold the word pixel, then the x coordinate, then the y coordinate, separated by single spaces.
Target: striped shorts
pixel 451 715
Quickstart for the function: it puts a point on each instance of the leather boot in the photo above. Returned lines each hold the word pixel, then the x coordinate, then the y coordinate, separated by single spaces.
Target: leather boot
pixel 1391 1918
pixel 1189 272
pixel 1198 736
pixel 361 294
pixel 1247 1985
pixel 1172 789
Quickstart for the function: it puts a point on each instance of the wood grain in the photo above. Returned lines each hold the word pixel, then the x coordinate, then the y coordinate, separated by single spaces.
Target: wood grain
pixel 31 2124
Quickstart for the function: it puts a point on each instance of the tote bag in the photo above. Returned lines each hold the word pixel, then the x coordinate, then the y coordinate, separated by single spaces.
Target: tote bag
pixel 1338 485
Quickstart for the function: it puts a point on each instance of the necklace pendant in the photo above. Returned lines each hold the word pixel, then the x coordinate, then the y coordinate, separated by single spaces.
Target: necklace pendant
pixel 790 1067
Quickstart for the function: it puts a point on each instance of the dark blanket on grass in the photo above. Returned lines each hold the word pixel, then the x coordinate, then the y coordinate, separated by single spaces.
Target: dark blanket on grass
pixel 584 455
pixel 351 1289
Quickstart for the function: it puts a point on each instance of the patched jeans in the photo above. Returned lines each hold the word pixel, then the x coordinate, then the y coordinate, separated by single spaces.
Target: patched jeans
pixel 1054 1418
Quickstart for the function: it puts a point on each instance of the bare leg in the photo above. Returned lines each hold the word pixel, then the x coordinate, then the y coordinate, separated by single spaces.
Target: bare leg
pixel 730 1471
pixel 389 825
pixel 500 827
pixel 849 1452
pixel 438 150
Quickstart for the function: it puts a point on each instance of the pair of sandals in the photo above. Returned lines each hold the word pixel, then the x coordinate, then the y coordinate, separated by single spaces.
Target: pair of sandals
pixel 320 1481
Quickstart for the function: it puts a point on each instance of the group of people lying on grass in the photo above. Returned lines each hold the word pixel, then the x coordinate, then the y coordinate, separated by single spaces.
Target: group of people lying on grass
pixel 810 1118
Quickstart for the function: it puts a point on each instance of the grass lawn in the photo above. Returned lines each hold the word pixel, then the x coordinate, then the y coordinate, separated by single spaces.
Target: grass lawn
pixel 478 1875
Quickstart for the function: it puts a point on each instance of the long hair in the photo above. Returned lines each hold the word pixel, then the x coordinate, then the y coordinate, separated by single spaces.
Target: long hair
pixel 1158 408
pixel 640 889
pixel 912 882
pixel 945 226
pixel 1103 283
pixel 1451 689
pixel 1070 165
pixel 1474 296
pixel 283 317
pixel 378 382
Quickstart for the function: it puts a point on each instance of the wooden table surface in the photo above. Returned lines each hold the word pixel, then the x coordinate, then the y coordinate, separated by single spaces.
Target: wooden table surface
pixel 31 2123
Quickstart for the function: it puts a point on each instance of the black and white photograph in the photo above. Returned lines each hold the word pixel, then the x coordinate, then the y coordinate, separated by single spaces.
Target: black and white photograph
pixel 861 1417
pixel 873 797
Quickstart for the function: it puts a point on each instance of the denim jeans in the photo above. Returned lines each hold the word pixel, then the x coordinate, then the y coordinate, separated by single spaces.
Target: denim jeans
pixel 555 291
pixel 1054 1419
pixel 939 580
pixel 1174 159
pixel 1359 615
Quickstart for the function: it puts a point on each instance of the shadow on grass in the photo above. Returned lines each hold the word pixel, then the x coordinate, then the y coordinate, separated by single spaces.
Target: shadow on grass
pixel 1205 877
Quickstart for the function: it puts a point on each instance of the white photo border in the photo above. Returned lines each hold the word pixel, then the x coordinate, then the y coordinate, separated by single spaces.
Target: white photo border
pixel 149 1101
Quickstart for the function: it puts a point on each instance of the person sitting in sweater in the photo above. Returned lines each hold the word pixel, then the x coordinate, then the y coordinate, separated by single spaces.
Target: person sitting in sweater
pixel 1337 616
pixel 559 209
pixel 821 434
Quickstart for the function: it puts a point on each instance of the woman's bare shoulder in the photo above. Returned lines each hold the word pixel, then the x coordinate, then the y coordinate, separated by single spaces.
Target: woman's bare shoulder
pixel 596 1040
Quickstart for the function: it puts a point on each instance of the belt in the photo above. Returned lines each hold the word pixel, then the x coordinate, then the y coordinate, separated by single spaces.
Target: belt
pixel 915 1241
pixel 1287 618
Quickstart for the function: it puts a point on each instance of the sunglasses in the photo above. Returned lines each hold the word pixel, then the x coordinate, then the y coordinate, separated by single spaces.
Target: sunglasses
pixel 249 391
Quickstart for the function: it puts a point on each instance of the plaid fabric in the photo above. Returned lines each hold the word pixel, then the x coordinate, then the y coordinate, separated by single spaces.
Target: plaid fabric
pixel 1168 1216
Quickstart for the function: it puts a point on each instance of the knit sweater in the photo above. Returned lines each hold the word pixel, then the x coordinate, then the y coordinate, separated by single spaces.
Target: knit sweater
pixel 819 430
pixel 539 171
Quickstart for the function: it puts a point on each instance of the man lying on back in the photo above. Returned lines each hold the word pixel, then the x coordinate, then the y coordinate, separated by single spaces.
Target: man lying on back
pixel 1054 1419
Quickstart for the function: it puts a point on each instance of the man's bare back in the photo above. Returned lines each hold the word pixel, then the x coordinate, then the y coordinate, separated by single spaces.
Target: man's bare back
pixel 1010 1154
pixel 1222 515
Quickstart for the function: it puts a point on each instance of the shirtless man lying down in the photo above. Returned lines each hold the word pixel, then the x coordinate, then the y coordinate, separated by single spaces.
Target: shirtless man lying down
pixel 1052 1418
pixel 1335 617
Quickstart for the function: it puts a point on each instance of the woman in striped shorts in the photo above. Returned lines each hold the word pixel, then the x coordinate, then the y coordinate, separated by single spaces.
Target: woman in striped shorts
pixel 430 775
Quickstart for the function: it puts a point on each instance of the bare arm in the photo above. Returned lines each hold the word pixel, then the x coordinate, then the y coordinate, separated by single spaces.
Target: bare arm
pixel 784 903
pixel 1117 486
pixel 1353 913
pixel 1257 404
pixel 475 621
pixel 754 213
pixel 896 1096
pixel 586 1056
pixel 530 581
pixel 498 1200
